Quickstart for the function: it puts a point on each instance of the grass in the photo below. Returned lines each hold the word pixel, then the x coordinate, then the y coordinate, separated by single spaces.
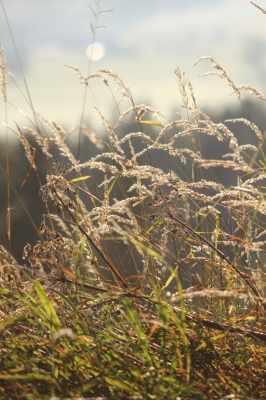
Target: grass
pixel 148 279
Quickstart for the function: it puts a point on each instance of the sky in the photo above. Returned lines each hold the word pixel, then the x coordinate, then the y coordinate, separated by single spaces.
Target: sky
pixel 143 42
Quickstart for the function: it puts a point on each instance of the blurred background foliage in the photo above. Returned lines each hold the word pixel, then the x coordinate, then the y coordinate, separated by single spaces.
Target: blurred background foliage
pixel 21 173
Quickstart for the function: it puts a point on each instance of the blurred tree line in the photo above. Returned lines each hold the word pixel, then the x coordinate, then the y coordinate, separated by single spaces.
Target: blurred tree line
pixel 27 183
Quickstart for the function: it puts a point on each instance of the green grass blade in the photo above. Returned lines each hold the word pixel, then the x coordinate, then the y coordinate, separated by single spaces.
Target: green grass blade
pixel 47 305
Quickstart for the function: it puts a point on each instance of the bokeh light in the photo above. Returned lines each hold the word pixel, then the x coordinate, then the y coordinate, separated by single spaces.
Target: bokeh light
pixel 95 51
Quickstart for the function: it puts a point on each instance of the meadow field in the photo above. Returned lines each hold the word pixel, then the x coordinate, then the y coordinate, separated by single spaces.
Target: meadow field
pixel 146 278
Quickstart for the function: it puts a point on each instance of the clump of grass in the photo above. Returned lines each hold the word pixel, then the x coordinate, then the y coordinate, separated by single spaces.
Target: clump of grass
pixel 147 281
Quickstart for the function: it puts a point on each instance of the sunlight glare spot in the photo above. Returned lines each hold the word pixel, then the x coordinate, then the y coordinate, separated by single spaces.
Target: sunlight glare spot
pixel 95 51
